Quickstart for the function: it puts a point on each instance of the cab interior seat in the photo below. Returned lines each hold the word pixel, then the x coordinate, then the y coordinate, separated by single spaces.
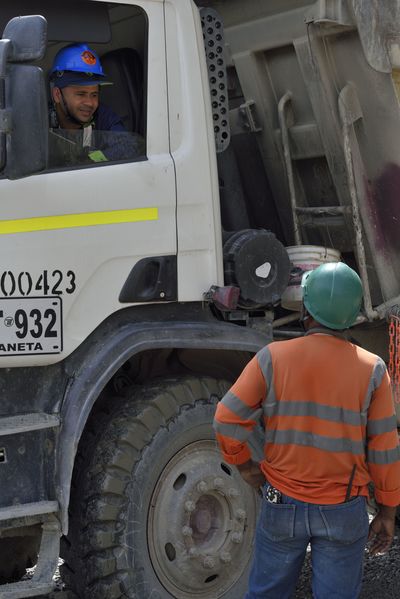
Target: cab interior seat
pixel 125 97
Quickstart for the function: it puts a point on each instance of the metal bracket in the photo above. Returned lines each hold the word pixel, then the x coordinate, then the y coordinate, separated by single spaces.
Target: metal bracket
pixel 247 113
pixel 244 119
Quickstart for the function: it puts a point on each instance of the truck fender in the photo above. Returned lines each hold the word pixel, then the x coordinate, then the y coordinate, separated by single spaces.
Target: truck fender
pixel 108 354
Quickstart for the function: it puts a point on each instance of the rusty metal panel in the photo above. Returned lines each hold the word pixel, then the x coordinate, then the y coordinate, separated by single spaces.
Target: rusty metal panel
pixel 378 24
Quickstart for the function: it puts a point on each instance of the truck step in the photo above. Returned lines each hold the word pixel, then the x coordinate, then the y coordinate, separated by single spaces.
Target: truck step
pixel 42 581
pixel 27 588
pixel 25 510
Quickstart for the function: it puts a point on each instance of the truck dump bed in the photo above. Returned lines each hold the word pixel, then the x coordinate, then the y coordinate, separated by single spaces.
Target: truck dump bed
pixel 316 123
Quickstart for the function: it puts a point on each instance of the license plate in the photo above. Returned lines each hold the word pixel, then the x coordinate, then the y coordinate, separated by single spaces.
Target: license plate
pixel 30 325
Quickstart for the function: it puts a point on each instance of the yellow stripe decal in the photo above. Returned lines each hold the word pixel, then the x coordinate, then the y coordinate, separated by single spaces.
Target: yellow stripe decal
pixel 70 221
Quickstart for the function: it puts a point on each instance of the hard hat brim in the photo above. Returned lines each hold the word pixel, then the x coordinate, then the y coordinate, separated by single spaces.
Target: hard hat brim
pixel 65 79
pixel 81 83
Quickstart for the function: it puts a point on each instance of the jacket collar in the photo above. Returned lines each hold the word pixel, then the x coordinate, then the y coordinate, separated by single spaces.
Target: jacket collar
pixel 326 331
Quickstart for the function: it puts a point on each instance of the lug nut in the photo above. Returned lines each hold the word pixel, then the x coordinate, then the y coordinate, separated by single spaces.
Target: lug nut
pixel 190 506
pixel 237 537
pixel 218 482
pixel 193 553
pixel 225 557
pixel 187 531
pixel 241 515
pixel 202 487
pixel 209 562
pixel 233 492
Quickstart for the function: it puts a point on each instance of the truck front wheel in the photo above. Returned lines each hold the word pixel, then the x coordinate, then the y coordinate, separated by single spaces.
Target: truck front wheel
pixel 155 511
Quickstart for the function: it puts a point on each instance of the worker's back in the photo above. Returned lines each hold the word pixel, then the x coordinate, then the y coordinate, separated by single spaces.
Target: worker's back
pixel 324 401
pixel 323 387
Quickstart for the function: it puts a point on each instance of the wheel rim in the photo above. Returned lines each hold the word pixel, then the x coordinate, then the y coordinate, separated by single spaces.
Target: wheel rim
pixel 201 523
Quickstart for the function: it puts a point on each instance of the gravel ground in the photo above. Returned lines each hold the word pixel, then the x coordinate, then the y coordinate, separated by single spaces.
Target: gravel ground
pixel 381 577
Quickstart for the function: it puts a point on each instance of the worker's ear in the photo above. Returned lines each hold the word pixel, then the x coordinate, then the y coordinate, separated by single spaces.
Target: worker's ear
pixel 305 317
pixel 56 95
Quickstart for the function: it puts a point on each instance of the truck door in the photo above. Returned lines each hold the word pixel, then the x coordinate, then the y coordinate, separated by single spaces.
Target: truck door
pixel 70 236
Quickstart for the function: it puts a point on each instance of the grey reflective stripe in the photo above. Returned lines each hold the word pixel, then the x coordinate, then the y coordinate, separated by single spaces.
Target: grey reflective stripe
pixel 232 402
pixel 265 363
pixel 234 431
pixel 293 437
pixel 386 456
pixel 374 382
pixel 383 425
pixel 317 410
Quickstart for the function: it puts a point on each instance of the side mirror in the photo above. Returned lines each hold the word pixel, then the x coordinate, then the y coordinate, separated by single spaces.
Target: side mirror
pixel 28 37
pixel 23 101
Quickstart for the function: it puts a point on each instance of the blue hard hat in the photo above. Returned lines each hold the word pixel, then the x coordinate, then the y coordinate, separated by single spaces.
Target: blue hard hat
pixel 77 64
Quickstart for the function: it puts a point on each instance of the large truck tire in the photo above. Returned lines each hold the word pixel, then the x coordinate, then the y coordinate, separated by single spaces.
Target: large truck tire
pixel 155 511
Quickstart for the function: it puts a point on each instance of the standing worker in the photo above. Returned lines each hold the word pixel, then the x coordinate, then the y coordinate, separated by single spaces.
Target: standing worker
pixel 330 428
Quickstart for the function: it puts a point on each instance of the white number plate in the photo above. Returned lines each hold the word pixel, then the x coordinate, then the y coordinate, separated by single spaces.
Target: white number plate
pixel 30 325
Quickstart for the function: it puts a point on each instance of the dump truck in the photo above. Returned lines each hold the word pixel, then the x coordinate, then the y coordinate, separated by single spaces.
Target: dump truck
pixel 134 290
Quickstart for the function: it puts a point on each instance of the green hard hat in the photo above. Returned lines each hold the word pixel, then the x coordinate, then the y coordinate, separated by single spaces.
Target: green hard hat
pixel 332 294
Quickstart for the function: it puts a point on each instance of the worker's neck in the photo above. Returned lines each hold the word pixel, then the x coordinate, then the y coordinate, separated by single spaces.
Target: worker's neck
pixel 64 121
pixel 310 323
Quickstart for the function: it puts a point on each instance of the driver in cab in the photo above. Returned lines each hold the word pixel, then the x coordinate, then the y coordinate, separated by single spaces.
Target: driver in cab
pixel 83 130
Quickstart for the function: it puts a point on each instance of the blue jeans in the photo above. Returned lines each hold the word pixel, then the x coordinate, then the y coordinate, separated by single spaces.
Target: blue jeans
pixel 337 534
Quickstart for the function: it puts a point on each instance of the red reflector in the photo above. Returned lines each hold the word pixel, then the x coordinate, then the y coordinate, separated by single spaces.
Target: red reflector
pixel 225 298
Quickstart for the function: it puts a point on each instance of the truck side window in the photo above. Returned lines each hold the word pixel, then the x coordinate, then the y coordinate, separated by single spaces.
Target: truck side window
pixel 97 96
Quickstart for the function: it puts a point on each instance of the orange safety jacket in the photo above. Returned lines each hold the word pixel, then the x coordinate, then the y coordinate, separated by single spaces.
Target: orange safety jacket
pixel 327 407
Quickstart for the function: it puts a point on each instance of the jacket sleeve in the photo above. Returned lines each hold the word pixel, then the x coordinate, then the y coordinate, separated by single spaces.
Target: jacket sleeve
pixel 107 120
pixel 383 454
pixel 238 412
